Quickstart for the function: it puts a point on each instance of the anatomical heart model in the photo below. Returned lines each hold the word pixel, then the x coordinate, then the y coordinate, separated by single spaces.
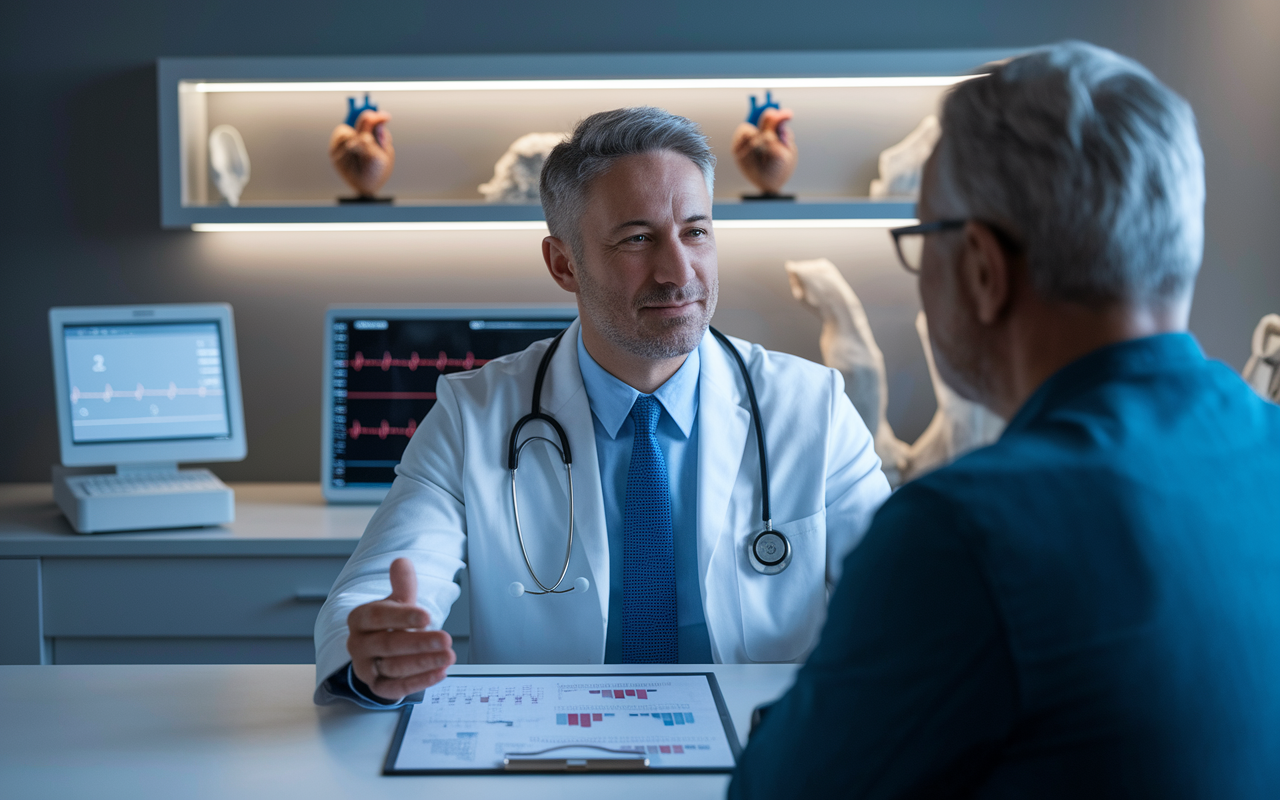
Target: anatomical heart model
pixel 765 148
pixel 847 345
pixel 360 149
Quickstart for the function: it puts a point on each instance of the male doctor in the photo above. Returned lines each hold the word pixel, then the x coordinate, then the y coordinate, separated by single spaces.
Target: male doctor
pixel 665 494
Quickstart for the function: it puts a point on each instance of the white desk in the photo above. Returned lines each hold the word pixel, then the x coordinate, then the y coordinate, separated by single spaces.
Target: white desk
pixel 228 731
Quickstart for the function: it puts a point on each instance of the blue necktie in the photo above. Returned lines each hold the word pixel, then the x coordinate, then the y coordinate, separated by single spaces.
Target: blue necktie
pixel 649 627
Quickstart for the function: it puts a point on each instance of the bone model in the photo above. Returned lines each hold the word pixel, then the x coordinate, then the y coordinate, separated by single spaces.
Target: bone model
pixel 228 162
pixel 847 345
pixel 515 176
pixel 902 165
pixel 1262 371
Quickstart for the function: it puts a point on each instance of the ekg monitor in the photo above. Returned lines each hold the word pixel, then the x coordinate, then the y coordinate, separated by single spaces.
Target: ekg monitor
pixel 146 384
pixel 380 371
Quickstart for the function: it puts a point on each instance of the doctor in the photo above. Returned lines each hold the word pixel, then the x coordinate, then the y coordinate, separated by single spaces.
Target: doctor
pixel 665 493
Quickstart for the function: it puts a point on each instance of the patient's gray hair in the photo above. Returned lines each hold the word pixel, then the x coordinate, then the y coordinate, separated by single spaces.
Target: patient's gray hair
pixel 1087 161
pixel 595 144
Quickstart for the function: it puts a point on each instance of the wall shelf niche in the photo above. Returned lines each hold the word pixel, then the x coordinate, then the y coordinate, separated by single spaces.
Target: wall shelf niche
pixel 454 116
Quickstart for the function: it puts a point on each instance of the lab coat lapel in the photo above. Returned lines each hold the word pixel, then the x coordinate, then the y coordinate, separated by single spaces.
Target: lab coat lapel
pixel 565 397
pixel 723 425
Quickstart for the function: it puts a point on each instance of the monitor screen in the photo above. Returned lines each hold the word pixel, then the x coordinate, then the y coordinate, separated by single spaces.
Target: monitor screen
pixel 146 382
pixel 384 376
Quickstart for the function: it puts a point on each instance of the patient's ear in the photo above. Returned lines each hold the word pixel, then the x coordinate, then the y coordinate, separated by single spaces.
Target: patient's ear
pixel 559 258
pixel 985 273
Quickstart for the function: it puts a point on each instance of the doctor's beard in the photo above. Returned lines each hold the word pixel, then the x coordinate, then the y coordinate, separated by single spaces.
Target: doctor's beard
pixel 619 318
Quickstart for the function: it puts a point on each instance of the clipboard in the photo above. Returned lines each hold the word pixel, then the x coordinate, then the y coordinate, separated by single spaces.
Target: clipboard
pixel 567 723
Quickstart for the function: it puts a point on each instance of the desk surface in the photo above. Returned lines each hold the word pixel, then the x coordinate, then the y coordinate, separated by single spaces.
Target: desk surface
pixel 252 732
pixel 272 519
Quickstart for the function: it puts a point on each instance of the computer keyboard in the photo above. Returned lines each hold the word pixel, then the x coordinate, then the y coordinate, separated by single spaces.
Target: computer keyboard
pixel 148 483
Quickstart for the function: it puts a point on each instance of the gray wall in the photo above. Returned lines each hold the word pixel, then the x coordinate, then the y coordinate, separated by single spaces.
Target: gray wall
pixel 80 210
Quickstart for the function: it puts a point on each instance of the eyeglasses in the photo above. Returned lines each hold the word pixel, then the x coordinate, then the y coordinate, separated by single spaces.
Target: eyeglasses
pixel 909 241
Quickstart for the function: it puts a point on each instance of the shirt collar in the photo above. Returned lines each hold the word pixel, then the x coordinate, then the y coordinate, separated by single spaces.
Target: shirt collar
pixel 611 399
pixel 1159 353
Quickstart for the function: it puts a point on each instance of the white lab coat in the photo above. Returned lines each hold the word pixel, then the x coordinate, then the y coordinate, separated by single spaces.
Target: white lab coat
pixel 450 506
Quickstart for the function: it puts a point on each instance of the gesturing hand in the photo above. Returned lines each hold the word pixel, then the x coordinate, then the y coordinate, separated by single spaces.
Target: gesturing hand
pixel 767 154
pixel 390 649
pixel 363 155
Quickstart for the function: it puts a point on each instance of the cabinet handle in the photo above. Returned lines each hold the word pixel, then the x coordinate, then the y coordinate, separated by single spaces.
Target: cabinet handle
pixel 310 597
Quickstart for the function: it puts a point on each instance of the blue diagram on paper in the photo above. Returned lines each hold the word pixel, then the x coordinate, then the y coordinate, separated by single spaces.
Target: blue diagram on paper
pixel 354 112
pixel 757 111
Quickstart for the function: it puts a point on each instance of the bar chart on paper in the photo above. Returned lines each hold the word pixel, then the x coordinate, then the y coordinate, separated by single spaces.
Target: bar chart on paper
pixel 472 722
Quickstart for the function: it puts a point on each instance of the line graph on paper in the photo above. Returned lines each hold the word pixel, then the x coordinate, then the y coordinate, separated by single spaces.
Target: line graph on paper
pixel 384 375
pixel 139 382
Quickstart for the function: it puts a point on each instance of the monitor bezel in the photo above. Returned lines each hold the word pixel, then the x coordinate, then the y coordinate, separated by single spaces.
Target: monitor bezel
pixel 106 454
pixel 399 313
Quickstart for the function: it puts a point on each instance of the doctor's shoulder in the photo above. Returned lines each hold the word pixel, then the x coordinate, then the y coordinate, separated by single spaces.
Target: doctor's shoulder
pixel 806 384
pixel 509 376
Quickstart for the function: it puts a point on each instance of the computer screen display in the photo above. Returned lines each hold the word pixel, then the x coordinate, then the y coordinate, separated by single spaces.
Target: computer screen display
pixel 384 374
pixel 145 382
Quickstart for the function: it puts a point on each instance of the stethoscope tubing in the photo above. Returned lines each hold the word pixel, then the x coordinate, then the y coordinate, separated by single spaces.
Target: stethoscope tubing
pixel 515 447
pixel 515 504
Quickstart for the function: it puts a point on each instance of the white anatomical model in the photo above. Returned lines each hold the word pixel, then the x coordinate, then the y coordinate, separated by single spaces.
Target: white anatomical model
pixel 902 165
pixel 228 162
pixel 1263 369
pixel 847 345
pixel 515 176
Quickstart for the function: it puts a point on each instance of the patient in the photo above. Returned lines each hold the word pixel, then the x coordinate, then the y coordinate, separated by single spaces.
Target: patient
pixel 1090 606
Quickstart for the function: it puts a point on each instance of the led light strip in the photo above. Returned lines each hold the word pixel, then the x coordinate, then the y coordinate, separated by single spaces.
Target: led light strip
pixel 323 227
pixel 545 85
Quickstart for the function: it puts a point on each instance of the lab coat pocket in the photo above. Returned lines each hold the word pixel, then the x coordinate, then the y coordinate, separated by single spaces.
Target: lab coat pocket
pixel 782 614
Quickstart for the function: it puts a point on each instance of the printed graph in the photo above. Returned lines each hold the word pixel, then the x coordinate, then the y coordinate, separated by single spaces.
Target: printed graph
pixel 465 720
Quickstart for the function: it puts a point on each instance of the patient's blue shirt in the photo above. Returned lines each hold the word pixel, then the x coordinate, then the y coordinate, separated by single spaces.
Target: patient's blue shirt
pixel 1089 607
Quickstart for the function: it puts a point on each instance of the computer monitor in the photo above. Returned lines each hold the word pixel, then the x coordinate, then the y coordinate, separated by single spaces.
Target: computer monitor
pixel 380 372
pixel 143 385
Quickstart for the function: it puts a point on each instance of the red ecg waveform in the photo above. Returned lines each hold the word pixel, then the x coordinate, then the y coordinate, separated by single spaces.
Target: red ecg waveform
pixel 382 431
pixel 140 392
pixel 440 362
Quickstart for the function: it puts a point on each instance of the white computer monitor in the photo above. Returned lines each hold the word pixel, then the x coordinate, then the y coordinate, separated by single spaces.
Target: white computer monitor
pixel 147 384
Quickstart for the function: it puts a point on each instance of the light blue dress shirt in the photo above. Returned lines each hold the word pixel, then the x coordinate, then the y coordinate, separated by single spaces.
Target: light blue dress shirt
pixel 611 402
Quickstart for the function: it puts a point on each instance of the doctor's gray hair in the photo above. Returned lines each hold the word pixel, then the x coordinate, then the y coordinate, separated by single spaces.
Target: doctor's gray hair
pixel 1087 161
pixel 596 143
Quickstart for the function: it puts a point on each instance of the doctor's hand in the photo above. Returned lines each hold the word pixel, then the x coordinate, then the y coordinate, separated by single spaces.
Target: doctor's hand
pixel 391 650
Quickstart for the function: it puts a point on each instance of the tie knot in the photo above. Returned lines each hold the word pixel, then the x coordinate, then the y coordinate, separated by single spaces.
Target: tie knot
pixel 645 414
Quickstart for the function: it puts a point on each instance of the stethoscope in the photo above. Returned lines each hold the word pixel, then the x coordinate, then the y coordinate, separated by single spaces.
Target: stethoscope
pixel 769 551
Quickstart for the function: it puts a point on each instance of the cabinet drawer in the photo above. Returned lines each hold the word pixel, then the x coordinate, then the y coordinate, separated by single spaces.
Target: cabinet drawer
pixel 185 597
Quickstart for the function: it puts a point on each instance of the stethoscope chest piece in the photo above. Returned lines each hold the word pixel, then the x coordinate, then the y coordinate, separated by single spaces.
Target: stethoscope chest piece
pixel 769 552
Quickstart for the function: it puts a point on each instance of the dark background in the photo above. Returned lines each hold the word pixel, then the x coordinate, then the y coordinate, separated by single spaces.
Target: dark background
pixel 80 210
